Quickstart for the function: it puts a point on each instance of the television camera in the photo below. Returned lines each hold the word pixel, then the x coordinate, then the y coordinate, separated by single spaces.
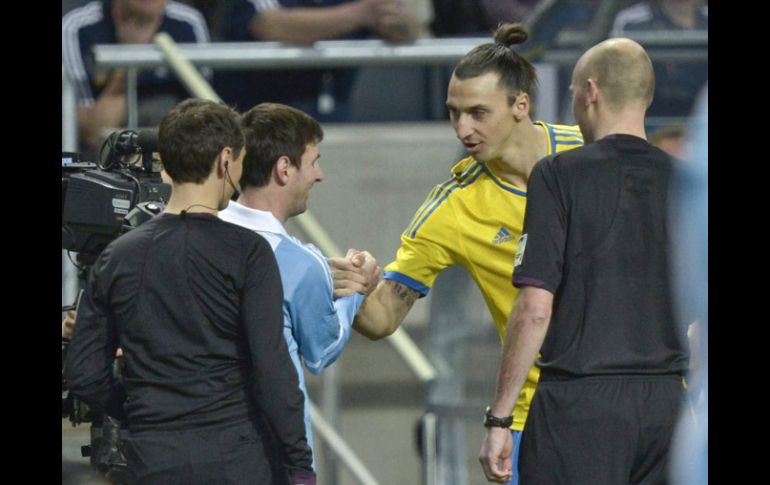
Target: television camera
pixel 101 201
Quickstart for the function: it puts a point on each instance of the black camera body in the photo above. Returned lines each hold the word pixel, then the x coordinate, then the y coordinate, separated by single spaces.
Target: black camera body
pixel 102 201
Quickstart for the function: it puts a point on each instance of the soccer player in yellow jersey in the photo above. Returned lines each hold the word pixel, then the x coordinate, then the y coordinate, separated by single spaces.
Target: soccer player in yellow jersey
pixel 475 218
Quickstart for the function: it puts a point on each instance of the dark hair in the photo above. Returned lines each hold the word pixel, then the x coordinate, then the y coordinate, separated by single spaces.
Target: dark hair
pixel 274 130
pixel 191 136
pixel 517 74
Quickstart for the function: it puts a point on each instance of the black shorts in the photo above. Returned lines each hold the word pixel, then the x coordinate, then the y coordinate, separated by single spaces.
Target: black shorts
pixel 600 431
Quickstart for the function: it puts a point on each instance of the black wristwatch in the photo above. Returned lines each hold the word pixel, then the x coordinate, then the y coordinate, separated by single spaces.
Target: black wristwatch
pixel 493 421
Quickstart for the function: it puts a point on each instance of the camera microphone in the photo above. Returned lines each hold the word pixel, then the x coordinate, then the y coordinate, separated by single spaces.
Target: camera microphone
pixel 147 139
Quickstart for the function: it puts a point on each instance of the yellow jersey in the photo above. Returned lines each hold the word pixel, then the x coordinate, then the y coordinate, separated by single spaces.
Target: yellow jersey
pixel 475 220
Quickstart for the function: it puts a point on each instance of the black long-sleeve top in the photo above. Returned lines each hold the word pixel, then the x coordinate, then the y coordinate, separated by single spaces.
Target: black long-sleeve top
pixel 196 305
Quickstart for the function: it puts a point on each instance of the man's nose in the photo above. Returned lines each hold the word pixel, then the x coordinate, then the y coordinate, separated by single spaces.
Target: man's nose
pixel 462 126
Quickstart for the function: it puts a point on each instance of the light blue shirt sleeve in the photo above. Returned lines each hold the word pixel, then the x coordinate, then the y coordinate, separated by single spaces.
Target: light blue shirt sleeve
pixel 321 326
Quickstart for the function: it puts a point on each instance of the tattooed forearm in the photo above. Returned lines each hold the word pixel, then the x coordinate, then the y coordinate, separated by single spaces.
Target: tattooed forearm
pixel 406 294
pixel 384 310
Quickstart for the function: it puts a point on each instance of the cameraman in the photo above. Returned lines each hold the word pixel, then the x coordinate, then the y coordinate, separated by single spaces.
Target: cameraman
pixel 195 304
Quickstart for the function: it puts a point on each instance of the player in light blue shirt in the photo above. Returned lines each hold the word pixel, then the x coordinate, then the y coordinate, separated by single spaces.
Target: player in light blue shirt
pixel 279 169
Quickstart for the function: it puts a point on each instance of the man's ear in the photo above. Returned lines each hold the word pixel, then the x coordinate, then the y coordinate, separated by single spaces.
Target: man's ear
pixel 521 107
pixel 592 91
pixel 282 170
pixel 223 161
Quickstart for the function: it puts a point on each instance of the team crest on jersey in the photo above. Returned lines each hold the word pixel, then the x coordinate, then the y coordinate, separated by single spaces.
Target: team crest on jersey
pixel 520 250
pixel 503 236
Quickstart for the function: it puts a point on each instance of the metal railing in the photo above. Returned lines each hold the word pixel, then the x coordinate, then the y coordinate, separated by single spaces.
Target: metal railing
pixel 432 53
pixel 276 55
pixel 661 45
pixel 361 53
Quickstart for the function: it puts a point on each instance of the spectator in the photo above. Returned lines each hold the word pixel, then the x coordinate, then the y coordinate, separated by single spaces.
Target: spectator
pixel 677 82
pixel 101 93
pixel 321 93
pixel 476 17
pixel 662 15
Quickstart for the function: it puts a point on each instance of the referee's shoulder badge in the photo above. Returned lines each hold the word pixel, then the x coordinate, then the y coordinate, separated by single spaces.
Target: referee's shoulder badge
pixel 520 250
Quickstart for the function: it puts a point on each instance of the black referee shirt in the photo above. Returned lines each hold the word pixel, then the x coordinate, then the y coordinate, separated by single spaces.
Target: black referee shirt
pixel 595 235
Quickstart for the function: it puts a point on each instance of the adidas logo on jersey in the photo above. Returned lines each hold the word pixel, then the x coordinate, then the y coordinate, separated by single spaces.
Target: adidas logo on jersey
pixel 503 236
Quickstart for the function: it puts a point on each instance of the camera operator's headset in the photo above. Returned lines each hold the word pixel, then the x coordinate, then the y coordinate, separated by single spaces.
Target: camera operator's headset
pixel 236 187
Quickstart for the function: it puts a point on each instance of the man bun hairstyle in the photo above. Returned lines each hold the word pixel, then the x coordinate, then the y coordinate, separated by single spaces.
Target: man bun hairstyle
pixel 511 34
pixel 517 74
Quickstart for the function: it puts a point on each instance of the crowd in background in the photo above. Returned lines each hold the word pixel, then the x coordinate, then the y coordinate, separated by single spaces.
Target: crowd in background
pixel 326 93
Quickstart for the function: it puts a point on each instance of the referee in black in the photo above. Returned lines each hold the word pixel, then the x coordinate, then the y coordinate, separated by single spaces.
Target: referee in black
pixel 593 265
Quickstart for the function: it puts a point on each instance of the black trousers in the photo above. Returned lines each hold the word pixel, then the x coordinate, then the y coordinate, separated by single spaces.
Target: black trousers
pixel 232 454
pixel 600 431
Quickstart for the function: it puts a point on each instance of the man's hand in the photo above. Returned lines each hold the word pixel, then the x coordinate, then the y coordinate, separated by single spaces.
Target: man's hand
pixel 389 19
pixel 368 265
pixel 495 455
pixel 356 272
pixel 68 324
pixel 136 26
pixel 395 22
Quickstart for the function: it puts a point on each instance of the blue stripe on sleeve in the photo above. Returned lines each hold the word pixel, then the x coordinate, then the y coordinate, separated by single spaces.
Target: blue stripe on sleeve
pixel 570 142
pixel 405 280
